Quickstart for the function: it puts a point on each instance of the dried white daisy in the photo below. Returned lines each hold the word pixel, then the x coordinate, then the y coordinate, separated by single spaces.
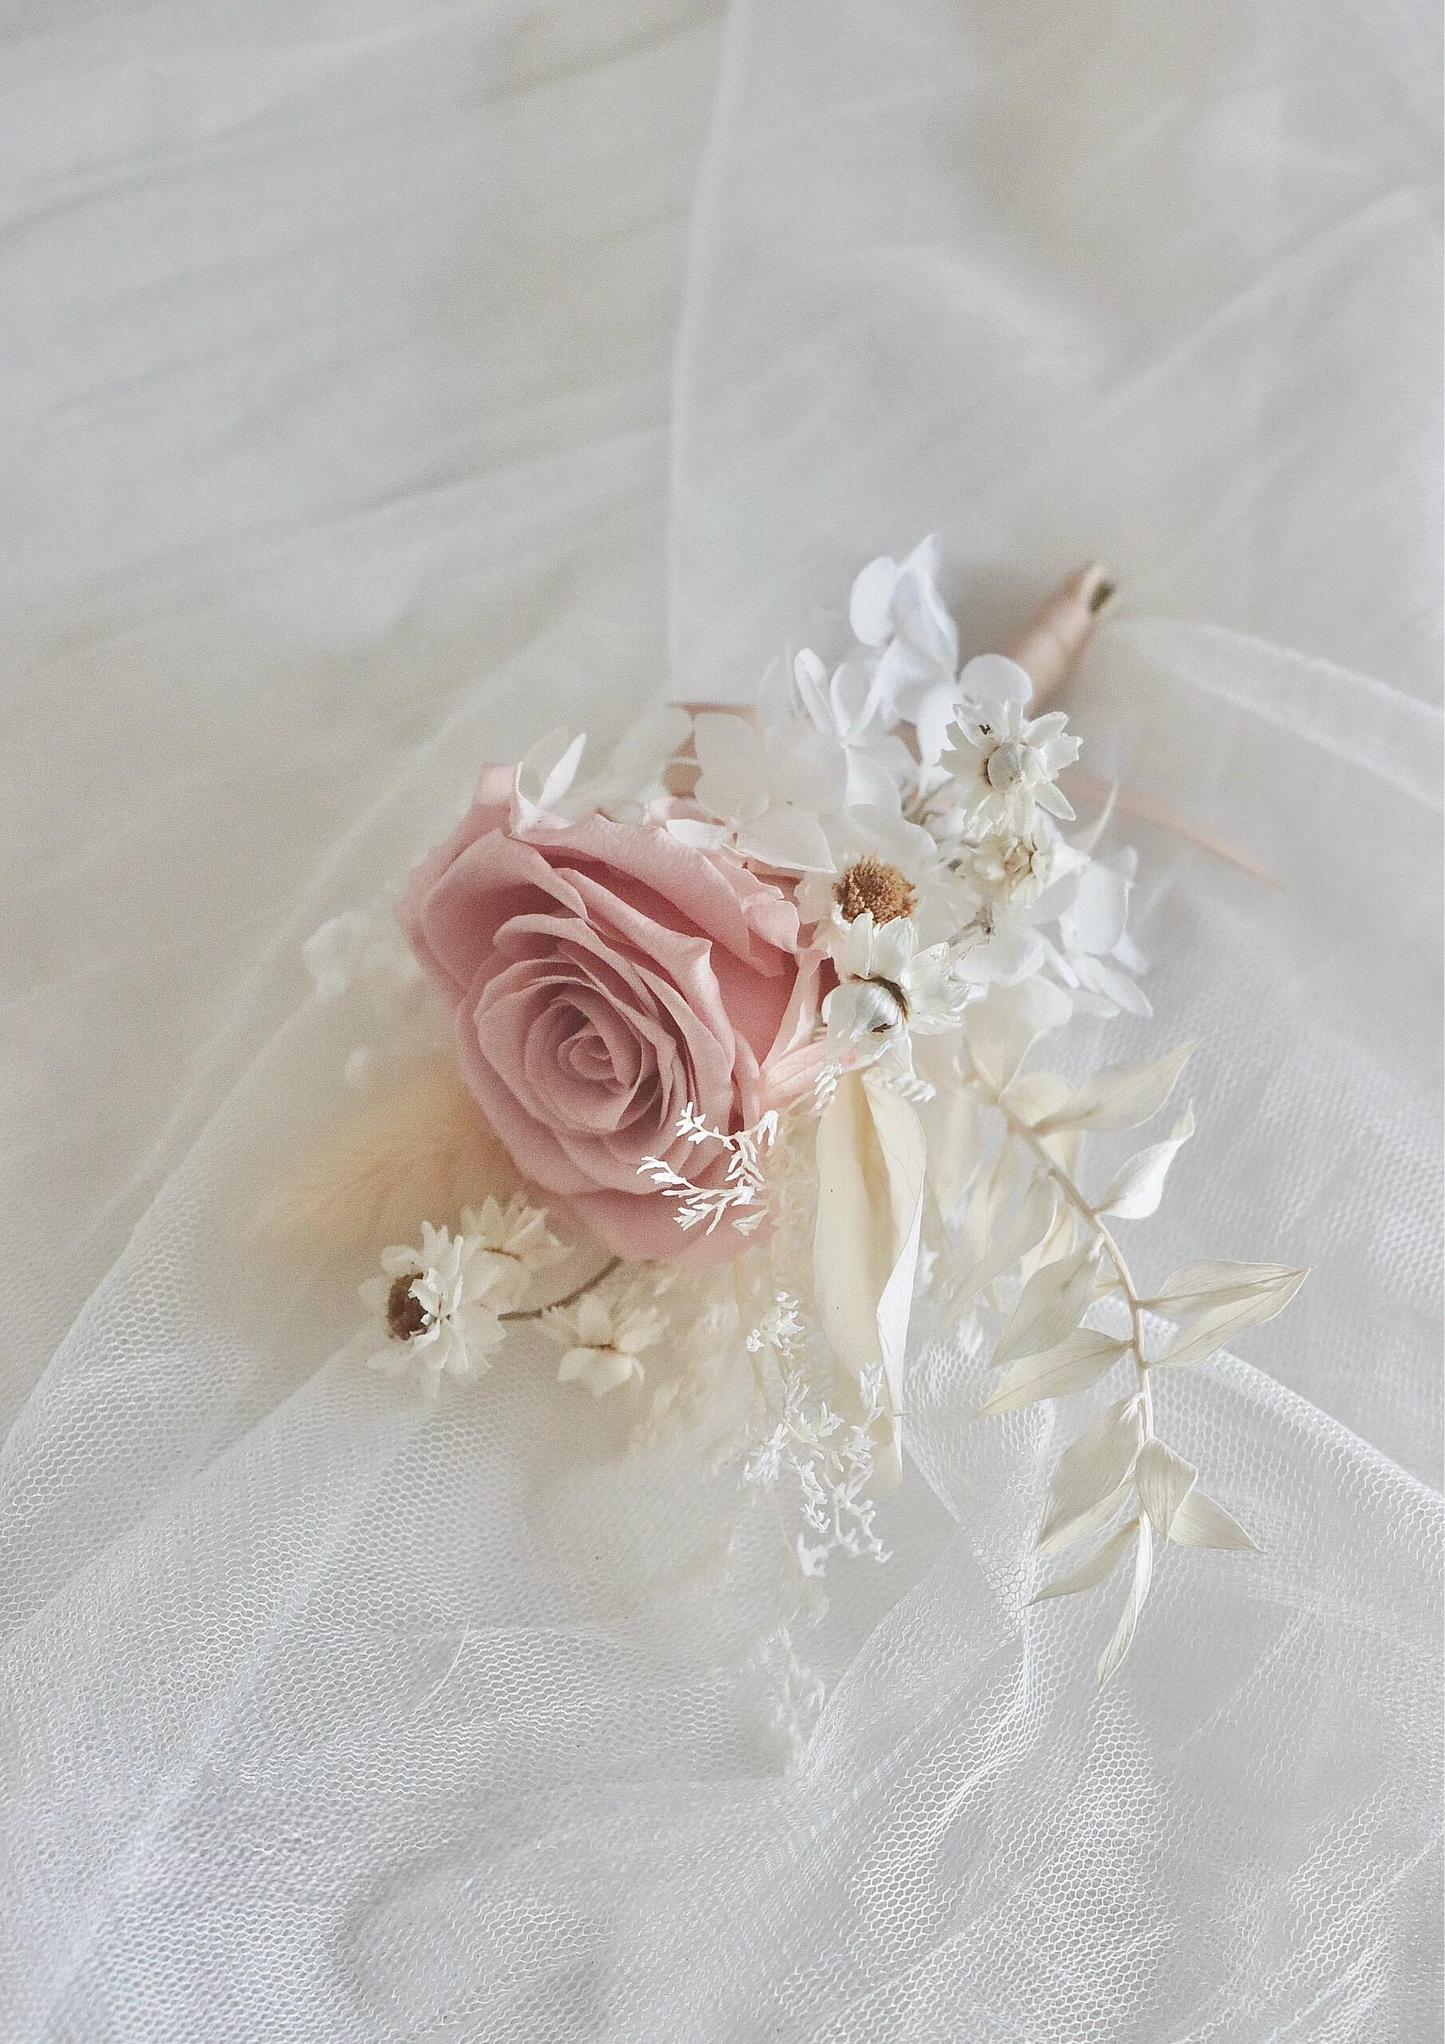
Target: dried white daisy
pixel 436 1304
pixel 1005 765
pixel 888 989
pixel 602 1339
pixel 517 1243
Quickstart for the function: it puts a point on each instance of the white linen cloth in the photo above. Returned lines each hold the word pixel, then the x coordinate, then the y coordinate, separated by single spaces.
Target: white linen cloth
pixel 383 384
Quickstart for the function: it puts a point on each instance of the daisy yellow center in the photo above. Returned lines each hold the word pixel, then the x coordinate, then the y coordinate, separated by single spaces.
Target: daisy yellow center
pixel 873 887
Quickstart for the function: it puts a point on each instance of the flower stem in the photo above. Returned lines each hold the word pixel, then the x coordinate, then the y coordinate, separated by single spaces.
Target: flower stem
pixel 568 1298
pixel 1020 1132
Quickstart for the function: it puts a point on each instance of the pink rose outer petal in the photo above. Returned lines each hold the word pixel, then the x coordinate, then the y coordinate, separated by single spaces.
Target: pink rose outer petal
pixel 600 977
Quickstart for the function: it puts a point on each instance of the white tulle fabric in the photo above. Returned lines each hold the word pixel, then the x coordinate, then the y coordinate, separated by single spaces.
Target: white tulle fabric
pixel 388 383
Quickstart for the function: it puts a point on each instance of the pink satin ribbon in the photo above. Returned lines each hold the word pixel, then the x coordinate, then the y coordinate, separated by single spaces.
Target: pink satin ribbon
pixel 1048 648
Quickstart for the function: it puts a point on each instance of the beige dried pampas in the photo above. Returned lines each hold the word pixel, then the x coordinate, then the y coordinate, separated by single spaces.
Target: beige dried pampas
pixel 414 1149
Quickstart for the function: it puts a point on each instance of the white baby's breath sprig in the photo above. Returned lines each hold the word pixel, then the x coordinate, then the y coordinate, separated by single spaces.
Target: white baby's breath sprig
pixel 831 1459
pixel 739 1199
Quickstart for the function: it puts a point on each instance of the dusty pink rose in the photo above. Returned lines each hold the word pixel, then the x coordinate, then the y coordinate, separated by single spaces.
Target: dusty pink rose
pixel 601 976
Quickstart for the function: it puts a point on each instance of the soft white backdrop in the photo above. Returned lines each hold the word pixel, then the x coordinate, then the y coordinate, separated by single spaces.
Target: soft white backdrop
pixel 384 383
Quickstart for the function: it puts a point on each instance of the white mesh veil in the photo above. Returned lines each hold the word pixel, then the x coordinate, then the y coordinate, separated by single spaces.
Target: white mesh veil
pixel 329 1715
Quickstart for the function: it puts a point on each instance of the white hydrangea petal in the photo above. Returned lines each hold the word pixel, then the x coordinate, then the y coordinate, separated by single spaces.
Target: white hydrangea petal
pixel 882 828
pixel 995 680
pixel 699 836
pixel 870 603
pixel 1100 911
pixel 594 1320
pixel 789 840
pixel 850 697
pixel 921 617
pixel 870 781
pixel 811 677
pixel 543 776
pixel 609 1371
pixel 733 777
pixel 935 713
pixel 1117 987
pixel 1014 952
pixel 576 1363
pixel 647 744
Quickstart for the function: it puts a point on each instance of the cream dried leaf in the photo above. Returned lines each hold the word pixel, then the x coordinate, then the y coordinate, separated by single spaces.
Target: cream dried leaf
pixel 1097 1569
pixel 1138 1186
pixel 1123 1635
pixel 1032 1222
pixel 1165 1481
pixel 1211 1329
pixel 1119 1096
pixel 993 1189
pixel 1201 1521
pixel 1079 1361
pixel 1051 1305
pixel 1032 1098
pixel 954 1146
pixel 1195 1286
pixel 1092 1519
pixel 871 1165
pixel 1098 1462
pixel 1001 1029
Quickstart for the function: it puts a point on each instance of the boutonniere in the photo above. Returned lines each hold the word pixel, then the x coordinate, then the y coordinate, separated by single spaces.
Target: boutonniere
pixel 730 1047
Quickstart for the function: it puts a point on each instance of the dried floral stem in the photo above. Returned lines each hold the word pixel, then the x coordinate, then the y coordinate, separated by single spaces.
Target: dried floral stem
pixel 568 1298
pixel 1020 1132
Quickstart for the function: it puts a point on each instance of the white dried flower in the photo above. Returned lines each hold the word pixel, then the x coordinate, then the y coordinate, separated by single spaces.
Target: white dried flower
pixel 545 788
pixel 1095 954
pixel 888 989
pixel 1012 868
pixel 769 795
pixel 437 1305
pixel 1005 765
pixel 602 1339
pixel 516 1241
pixel 846 709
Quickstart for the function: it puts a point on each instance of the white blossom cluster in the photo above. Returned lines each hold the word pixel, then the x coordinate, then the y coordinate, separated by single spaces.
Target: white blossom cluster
pixel 898 755
pixel 446 1306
